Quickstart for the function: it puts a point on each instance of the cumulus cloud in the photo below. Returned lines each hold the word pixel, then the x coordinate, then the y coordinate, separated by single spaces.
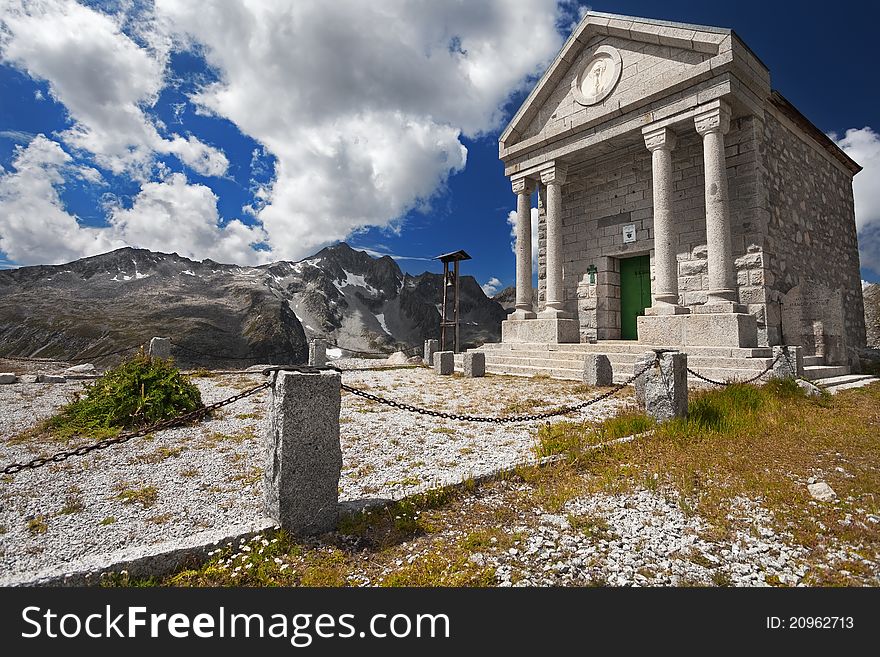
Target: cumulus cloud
pixel 105 79
pixel 511 219
pixel 863 145
pixel 173 215
pixel 491 287
pixel 364 117
pixel 34 226
pixel 169 215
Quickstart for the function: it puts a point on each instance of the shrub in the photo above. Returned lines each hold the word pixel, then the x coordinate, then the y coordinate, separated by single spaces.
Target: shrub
pixel 136 393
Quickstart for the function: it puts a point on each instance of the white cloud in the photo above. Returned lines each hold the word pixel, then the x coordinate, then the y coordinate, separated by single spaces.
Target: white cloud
pixel 170 215
pixel 34 226
pixel 173 215
pixel 863 145
pixel 104 78
pixel 364 116
pixel 491 287
pixel 511 219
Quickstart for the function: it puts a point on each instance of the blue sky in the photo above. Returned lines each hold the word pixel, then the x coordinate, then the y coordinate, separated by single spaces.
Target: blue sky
pixel 250 135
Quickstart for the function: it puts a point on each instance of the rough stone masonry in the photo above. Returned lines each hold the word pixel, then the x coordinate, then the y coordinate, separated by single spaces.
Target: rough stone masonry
pixel 682 201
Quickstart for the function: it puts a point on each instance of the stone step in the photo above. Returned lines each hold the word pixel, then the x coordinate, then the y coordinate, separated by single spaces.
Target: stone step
pixel 624 347
pixel 848 382
pixel 620 375
pixel 814 372
pixel 813 360
pixel 619 361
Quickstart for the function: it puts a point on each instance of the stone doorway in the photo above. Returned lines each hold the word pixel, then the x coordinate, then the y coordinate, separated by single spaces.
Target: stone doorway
pixel 635 293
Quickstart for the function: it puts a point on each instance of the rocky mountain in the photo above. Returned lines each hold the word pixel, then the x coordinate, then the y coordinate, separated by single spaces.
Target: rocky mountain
pixel 871 294
pixel 99 304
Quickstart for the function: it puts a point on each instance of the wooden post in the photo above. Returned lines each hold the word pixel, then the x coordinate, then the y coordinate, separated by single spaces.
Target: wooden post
pixel 456 346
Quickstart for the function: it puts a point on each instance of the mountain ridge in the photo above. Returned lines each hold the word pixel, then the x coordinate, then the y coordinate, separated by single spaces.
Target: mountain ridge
pixel 113 300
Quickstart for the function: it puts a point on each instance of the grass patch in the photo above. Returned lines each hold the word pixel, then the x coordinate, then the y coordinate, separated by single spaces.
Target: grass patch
pixel 136 393
pixel 73 503
pixel 38 524
pixel 109 520
pixel 145 496
pixel 523 406
pixel 572 438
pixel 202 373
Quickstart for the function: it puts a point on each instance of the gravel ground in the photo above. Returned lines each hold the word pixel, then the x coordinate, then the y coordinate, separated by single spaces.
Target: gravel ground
pixel 207 476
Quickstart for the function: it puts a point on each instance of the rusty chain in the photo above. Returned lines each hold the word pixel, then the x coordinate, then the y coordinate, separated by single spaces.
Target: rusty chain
pixel 177 421
pixel 562 410
pixel 727 383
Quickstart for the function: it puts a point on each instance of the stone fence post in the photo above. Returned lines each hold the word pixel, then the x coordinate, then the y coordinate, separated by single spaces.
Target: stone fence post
pixel 444 362
pixel 303 453
pixel 317 352
pixel 597 370
pixel 790 365
pixel 474 364
pixel 160 348
pixel 431 347
pixel 663 393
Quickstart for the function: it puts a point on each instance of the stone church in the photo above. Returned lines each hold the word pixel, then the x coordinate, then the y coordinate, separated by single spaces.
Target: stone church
pixel 682 201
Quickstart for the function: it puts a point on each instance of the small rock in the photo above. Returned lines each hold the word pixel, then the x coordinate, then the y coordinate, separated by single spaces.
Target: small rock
pixel 50 378
pixel 414 360
pixel 810 389
pixel 822 491
pixel 811 480
pixel 85 368
pixel 398 358
pixel 477 559
pixel 8 377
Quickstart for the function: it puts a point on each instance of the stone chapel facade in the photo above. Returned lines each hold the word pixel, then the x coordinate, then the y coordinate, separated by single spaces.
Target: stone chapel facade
pixel 681 200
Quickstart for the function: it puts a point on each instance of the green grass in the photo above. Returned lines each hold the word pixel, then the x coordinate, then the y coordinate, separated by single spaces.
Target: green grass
pixel 145 496
pixel 136 393
pixel 572 438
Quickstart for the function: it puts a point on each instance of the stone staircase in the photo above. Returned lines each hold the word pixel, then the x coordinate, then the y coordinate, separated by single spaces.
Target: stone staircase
pixel 566 361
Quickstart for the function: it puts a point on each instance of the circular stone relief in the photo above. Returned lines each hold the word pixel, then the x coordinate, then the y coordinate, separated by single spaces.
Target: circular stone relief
pixel 598 76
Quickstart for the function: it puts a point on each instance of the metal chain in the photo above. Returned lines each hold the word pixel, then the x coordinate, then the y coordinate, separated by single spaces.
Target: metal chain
pixel 563 410
pixel 727 383
pixel 177 421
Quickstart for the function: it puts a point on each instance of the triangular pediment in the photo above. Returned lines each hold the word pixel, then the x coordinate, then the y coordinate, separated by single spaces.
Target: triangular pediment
pixel 613 64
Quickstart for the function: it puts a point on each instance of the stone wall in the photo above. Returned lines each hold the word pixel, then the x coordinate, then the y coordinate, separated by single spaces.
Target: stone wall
pixel 601 197
pixel 811 258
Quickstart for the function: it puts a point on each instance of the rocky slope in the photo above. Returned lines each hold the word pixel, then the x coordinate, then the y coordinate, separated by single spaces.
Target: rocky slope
pixel 871 295
pixel 111 301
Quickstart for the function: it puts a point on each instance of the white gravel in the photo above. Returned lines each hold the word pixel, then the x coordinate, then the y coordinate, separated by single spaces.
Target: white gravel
pixel 208 476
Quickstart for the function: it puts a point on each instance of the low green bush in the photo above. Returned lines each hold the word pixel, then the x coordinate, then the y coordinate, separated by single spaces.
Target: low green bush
pixel 136 393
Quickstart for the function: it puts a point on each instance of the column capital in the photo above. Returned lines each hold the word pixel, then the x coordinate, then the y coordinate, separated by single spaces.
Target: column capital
pixel 555 173
pixel 659 139
pixel 715 119
pixel 522 185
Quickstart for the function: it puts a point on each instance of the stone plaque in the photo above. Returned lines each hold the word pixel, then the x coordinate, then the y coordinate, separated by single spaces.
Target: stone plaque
pixel 629 233
pixel 598 77
pixel 812 317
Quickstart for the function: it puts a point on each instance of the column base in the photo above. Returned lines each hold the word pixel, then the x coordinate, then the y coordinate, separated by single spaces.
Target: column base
pixel 726 329
pixel 667 309
pixel 522 314
pixel 713 307
pixel 553 313
pixel 552 330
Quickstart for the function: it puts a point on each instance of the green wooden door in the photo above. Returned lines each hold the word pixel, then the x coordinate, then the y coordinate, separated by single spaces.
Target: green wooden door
pixel 635 293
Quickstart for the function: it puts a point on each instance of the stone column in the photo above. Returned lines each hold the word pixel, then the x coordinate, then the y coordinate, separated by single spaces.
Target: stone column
pixel 523 188
pixel 712 124
pixel 303 453
pixel 661 141
pixel 554 177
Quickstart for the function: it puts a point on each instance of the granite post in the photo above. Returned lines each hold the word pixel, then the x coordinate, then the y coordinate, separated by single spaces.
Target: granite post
pixel 431 347
pixel 666 392
pixel 317 352
pixel 444 362
pixel 597 370
pixel 160 348
pixel 303 453
pixel 474 364
pixel 790 365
